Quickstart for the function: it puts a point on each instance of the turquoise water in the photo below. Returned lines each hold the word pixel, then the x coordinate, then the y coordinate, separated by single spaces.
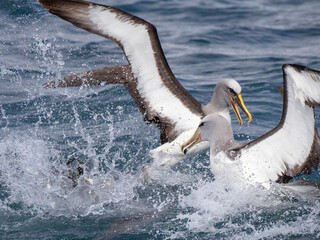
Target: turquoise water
pixel 41 129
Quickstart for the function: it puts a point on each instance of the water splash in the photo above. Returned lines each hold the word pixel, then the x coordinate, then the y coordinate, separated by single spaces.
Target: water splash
pixel 36 179
pixel 249 212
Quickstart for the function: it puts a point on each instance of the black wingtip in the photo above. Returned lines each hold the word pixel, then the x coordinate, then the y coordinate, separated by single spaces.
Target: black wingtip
pixel 299 68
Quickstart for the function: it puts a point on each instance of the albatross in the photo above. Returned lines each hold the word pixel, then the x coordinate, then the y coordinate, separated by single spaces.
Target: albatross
pixel 161 99
pixel 292 147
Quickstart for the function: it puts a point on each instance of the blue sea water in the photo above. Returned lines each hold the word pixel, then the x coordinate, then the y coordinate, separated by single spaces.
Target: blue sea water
pixel 204 41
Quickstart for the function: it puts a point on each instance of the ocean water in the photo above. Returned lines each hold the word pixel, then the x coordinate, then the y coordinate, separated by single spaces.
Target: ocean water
pixel 204 41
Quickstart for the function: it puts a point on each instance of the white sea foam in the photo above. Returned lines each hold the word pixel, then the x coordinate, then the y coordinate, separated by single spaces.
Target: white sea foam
pixel 35 177
pixel 249 212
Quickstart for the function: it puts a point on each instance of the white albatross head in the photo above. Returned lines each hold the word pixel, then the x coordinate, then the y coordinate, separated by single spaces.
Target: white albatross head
pixel 215 129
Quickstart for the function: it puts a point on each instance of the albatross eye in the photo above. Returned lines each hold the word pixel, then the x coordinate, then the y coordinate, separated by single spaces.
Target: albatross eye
pixel 232 91
pixel 201 124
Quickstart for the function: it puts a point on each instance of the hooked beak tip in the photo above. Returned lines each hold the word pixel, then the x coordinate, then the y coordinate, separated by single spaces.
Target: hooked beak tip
pixel 184 149
pixel 196 137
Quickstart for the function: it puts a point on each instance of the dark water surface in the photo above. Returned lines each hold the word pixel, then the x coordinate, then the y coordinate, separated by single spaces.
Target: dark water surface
pixel 204 41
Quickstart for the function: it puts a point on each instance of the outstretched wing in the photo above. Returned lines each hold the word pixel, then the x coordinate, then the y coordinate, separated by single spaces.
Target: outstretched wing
pixel 294 145
pixel 159 96
pixel 101 76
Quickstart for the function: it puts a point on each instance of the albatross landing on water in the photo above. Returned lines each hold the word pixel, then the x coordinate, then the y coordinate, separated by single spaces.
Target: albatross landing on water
pixel 291 148
pixel 160 97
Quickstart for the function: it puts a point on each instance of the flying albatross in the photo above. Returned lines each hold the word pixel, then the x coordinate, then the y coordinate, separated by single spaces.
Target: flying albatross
pixel 159 96
pixel 292 147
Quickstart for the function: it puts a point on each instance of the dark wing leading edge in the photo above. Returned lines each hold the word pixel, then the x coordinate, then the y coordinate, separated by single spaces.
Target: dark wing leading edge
pixel 293 146
pixel 159 96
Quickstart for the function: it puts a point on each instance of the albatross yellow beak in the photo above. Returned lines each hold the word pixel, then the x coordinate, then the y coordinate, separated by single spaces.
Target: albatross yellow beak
pixel 196 137
pixel 234 104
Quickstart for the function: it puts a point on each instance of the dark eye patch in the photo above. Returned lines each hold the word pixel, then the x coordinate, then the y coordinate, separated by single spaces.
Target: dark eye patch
pixel 201 124
pixel 232 91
